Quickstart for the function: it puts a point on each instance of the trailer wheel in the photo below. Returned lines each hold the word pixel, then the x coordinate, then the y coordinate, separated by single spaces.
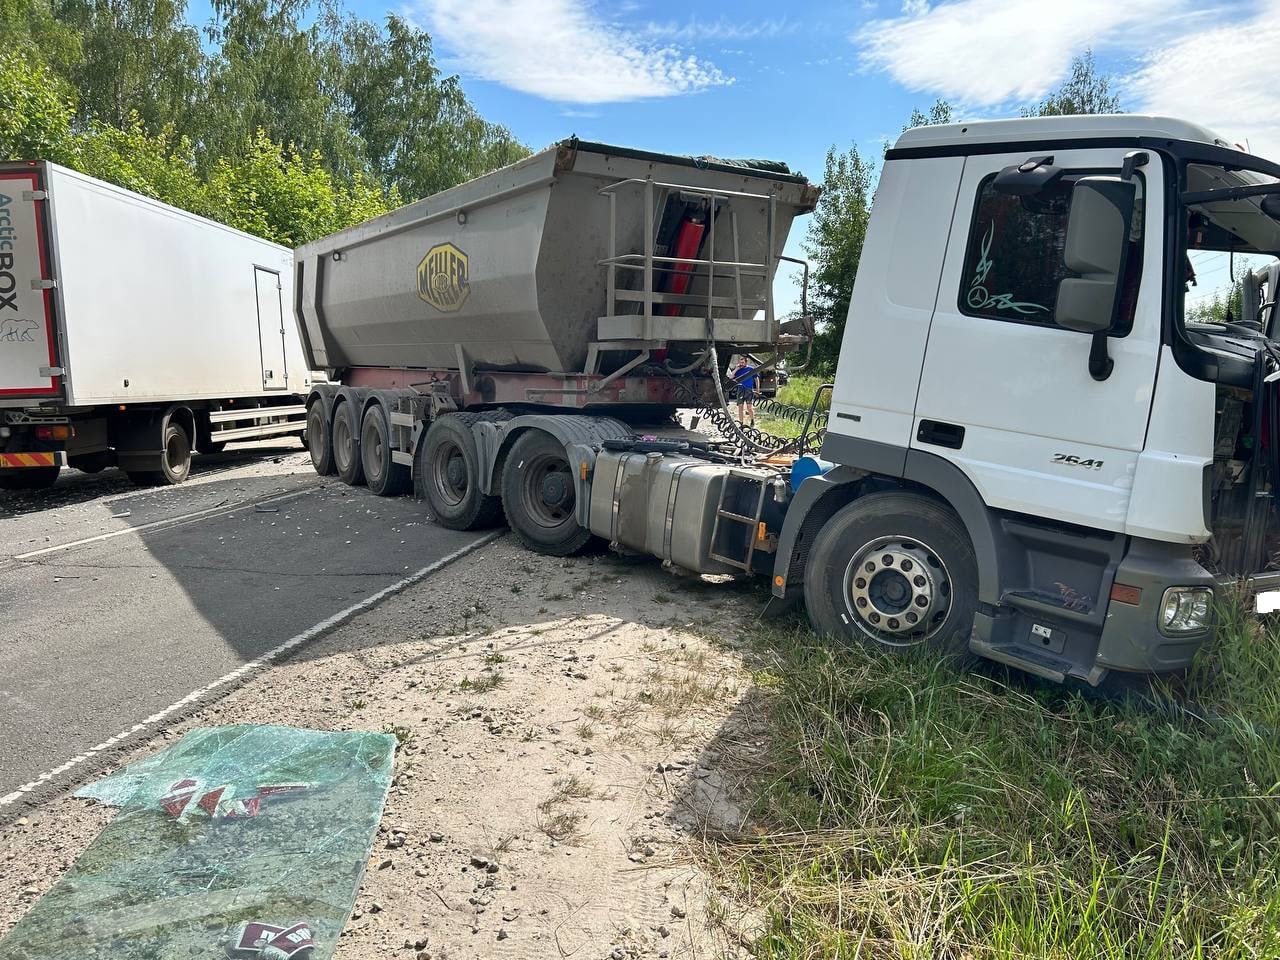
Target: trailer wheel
pixel 29 478
pixel 317 439
pixel 448 475
pixel 384 476
pixel 346 445
pixel 895 571
pixel 538 496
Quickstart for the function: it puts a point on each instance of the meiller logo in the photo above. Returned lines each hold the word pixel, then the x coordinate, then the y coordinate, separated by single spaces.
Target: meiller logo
pixel 8 282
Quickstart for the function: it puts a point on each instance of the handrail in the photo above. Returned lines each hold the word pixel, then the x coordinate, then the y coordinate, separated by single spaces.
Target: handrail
pixel 686 188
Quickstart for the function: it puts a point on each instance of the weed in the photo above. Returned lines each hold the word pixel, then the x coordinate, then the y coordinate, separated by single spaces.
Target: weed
pixel 488 681
pixel 661 598
pixel 561 825
pixel 403 735
pixel 935 813
pixel 516 588
pixel 358 703
pixel 585 730
pixel 494 657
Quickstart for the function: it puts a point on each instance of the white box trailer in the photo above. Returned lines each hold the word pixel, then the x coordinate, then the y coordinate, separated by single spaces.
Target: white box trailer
pixel 132 332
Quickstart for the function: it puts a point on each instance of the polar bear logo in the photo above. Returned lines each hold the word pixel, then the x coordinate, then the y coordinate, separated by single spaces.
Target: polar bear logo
pixel 17 331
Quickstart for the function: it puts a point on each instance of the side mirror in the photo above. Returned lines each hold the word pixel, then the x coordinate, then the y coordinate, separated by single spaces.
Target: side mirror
pixel 1097 248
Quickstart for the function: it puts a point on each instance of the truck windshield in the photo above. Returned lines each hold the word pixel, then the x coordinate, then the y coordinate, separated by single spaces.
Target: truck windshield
pixel 1232 221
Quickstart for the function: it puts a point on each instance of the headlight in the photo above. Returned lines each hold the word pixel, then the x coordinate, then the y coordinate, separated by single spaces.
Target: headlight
pixel 1186 609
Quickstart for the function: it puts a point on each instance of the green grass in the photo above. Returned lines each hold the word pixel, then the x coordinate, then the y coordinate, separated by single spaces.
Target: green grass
pixel 911 811
pixel 799 391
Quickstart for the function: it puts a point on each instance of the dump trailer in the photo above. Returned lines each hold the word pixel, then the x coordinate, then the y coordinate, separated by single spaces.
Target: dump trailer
pixel 1032 455
pixel 132 332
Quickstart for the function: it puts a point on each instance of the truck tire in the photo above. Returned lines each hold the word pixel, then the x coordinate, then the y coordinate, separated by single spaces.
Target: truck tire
pixel 318 444
pixel 447 475
pixel 894 571
pixel 383 475
pixel 345 441
pixel 29 478
pixel 538 496
pixel 174 460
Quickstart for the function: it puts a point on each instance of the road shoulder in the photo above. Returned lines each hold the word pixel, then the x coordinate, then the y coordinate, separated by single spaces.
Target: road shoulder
pixel 566 729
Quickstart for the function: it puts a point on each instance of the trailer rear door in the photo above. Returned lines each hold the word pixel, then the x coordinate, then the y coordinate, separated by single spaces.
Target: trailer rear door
pixel 270 328
pixel 28 355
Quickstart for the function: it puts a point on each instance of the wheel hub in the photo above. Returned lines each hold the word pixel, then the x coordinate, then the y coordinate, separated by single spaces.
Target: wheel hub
pixel 555 490
pixel 897 590
pixel 455 472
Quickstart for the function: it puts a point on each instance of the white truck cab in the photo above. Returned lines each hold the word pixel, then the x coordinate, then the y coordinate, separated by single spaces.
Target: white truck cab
pixel 1016 351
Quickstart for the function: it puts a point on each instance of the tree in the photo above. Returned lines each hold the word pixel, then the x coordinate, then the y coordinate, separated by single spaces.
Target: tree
pixel 269 73
pixel 1085 91
pixel 834 244
pixel 940 112
pixel 419 130
pixel 36 120
pixel 134 59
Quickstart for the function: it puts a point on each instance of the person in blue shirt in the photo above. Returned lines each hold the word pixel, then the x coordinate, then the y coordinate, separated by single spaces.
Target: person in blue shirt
pixel 744 376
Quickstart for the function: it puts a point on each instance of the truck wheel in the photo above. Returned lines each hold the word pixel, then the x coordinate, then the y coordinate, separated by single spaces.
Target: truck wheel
pixel 448 475
pixel 318 444
pixel 384 476
pixel 538 496
pixel 895 571
pixel 346 445
pixel 29 478
pixel 174 460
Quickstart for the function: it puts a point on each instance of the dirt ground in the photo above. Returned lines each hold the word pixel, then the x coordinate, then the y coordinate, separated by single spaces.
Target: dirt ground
pixel 568 733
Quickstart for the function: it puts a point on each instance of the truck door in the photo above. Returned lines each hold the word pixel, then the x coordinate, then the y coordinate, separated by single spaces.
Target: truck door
pixel 28 364
pixel 270 328
pixel 1005 393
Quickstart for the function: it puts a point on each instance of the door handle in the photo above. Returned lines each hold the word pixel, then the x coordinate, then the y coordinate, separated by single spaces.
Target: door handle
pixel 941 434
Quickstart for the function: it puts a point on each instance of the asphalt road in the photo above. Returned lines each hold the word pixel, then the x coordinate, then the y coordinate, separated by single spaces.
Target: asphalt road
pixel 117 601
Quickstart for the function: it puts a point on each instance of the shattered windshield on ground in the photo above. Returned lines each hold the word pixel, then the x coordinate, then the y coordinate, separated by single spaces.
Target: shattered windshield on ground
pixel 239 841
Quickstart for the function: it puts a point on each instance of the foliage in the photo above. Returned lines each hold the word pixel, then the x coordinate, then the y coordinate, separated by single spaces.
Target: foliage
pixel 37 113
pixel 912 810
pixel 1085 91
pixel 291 122
pixel 284 196
pixel 834 244
pixel 1216 310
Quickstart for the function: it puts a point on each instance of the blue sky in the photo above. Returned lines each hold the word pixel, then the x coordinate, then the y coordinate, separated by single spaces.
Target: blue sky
pixel 786 81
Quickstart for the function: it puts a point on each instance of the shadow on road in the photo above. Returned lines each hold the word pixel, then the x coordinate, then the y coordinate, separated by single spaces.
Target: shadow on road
pixel 77 487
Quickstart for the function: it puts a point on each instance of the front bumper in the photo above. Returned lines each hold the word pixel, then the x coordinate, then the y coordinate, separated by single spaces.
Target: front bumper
pixel 1131 636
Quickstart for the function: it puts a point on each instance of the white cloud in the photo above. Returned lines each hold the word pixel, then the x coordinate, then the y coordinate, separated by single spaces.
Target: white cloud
pixel 562 50
pixel 1224 77
pixel 989 52
pixel 721 29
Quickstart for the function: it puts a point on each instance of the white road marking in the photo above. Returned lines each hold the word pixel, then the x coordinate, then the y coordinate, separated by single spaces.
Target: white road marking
pixel 325 625
pixel 205 514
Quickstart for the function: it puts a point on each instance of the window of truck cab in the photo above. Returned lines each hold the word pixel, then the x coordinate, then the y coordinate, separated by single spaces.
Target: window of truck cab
pixel 1231 244
pixel 1014 257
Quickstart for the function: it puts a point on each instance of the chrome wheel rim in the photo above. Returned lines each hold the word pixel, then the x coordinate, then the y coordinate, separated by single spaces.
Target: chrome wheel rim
pixel 897 591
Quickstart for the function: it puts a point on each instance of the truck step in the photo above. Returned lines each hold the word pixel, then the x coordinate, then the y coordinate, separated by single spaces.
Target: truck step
pixel 1039 662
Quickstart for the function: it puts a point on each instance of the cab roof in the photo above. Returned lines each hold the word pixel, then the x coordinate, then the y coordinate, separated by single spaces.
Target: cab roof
pixel 1033 129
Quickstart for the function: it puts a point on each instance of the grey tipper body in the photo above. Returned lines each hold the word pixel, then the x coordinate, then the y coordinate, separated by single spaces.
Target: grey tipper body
pixel 533 236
